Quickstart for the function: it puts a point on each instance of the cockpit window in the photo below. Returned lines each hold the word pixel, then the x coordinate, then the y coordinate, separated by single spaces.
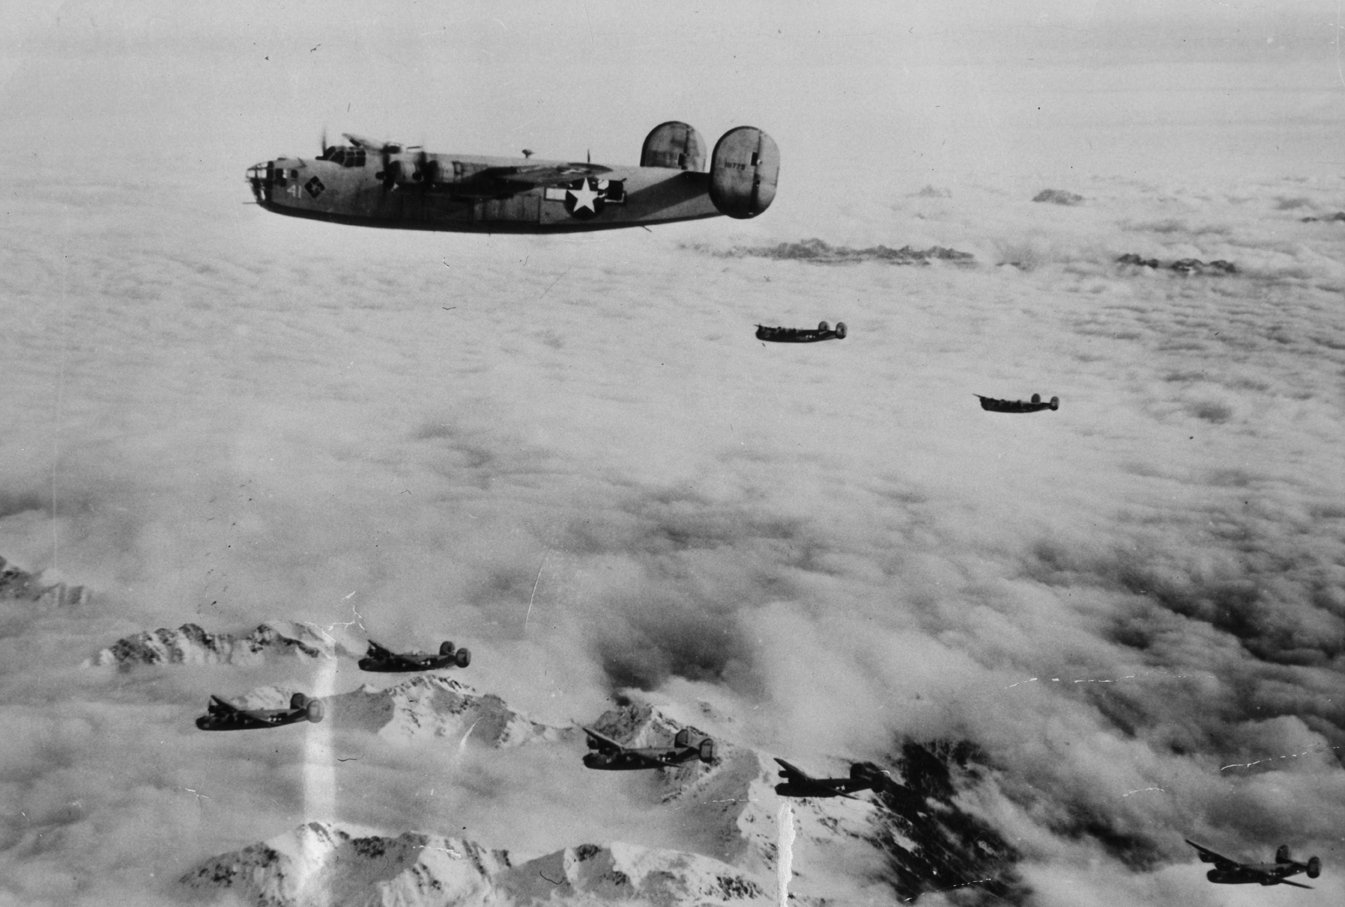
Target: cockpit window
pixel 341 154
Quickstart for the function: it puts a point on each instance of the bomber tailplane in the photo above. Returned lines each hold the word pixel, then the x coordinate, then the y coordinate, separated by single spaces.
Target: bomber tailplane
pixel 744 171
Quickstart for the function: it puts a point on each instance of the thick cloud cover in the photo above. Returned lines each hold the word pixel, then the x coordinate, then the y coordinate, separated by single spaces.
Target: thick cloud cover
pixel 572 455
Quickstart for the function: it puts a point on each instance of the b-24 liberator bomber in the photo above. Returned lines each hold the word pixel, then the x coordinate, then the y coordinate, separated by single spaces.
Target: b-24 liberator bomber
pixel 386 184
pixel 379 658
pixel 609 755
pixel 863 776
pixel 1231 872
pixel 1035 405
pixel 225 716
pixel 801 335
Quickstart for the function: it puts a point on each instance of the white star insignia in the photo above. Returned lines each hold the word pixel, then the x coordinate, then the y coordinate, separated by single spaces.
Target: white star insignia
pixel 584 197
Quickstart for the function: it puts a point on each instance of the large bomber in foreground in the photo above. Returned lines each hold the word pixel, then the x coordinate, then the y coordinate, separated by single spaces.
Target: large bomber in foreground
pixel 385 184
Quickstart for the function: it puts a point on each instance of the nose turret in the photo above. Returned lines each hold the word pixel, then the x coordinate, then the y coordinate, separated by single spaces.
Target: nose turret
pixel 259 177
pixel 273 178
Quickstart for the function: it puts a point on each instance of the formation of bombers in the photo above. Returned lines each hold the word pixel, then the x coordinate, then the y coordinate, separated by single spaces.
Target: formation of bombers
pixel 387 184
pixel 688 745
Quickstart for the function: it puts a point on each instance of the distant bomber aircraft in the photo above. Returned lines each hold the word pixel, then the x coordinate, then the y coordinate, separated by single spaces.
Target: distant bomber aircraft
pixel 225 716
pixel 1231 872
pixel 1035 405
pixel 801 335
pixel 863 776
pixel 610 755
pixel 385 184
pixel 381 659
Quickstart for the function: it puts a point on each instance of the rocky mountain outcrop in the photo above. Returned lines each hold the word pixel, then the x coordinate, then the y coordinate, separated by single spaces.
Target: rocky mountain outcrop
pixel 439 706
pixel 426 705
pixel 821 252
pixel 917 838
pixel 1058 197
pixel 738 837
pixel 190 644
pixel 818 251
pixel 1186 266
pixel 931 841
pixel 17 584
pixel 322 864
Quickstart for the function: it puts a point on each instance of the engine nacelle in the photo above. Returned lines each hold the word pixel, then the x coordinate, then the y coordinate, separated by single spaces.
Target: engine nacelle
pixel 673 144
pixel 744 170
pixel 413 170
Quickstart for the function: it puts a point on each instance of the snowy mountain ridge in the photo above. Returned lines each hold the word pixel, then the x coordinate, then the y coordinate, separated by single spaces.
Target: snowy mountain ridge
pixel 323 864
pixel 427 704
pixel 190 644
pixel 17 584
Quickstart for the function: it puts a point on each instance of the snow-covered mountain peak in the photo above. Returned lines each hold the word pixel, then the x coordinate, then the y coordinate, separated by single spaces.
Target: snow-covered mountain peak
pixel 47 589
pixel 321 864
pixel 426 705
pixel 191 644
pixel 436 705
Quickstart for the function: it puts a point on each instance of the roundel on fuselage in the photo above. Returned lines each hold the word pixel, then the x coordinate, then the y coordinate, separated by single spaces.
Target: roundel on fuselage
pixel 673 144
pixel 744 170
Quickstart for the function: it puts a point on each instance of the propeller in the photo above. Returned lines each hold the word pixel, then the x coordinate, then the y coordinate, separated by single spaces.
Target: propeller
pixel 385 151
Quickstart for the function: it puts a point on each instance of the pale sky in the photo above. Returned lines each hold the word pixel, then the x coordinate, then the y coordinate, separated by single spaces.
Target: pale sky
pixel 999 91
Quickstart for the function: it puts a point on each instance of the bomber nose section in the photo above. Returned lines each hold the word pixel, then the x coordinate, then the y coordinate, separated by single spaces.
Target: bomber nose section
pixel 271 181
pixel 259 177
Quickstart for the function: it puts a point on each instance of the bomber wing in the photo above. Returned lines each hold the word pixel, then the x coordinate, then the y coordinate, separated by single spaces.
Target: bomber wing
pixel 603 739
pixel 646 756
pixel 534 176
pixel 795 773
pixel 1280 881
pixel 1209 856
pixel 652 758
pixel 824 787
pixel 225 706
pixel 360 141
pixel 377 651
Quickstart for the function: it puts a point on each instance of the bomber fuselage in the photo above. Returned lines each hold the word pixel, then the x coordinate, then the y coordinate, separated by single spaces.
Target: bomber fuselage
pixel 417 190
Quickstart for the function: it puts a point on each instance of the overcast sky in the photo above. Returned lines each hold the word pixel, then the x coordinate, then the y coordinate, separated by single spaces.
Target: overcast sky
pixel 570 454
pixel 1024 90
